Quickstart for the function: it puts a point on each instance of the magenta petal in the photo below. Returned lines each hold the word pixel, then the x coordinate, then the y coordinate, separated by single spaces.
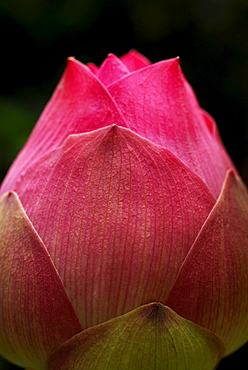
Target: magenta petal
pixel 80 103
pixel 134 60
pixel 94 69
pixel 159 104
pixel 118 215
pixel 212 286
pixel 36 315
pixel 111 70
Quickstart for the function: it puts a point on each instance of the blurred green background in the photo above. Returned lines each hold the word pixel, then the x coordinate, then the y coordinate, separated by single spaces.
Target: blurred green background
pixel 211 37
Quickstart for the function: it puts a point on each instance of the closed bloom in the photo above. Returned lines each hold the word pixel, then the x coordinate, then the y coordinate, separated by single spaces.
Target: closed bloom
pixel 123 228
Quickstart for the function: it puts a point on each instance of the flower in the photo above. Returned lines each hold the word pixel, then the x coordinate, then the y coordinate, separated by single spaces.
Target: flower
pixel 124 228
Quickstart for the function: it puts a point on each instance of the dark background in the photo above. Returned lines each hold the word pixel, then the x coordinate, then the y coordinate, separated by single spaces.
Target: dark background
pixel 211 38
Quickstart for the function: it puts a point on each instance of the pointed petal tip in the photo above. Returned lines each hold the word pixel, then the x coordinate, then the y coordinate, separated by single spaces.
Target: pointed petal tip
pixel 154 311
pixel 72 62
pixel 134 60
pixel 232 177
pixel 233 182
pixel 178 59
pixel 133 53
pixel 176 62
pixel 9 196
pixel 111 55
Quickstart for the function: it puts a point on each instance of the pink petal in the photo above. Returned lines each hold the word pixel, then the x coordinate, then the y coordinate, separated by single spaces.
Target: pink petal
pixel 212 286
pixel 118 215
pixel 160 105
pixel 111 70
pixel 80 103
pixel 94 69
pixel 134 60
pixel 36 315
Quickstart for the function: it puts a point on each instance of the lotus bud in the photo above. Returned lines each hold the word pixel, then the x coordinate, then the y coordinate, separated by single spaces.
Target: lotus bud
pixel 123 228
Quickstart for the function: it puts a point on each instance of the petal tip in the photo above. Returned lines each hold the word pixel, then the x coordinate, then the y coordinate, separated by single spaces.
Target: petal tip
pixel 154 311
pixel 8 196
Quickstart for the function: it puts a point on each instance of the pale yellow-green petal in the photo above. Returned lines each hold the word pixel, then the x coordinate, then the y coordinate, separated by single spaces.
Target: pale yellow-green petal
pixel 151 337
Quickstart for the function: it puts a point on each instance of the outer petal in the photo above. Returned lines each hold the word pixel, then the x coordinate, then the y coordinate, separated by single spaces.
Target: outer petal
pixel 134 60
pixel 159 104
pixel 111 70
pixel 149 337
pixel 36 315
pixel 80 103
pixel 118 215
pixel 212 286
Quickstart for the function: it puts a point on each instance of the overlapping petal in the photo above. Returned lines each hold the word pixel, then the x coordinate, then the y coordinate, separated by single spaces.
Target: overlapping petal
pixel 212 286
pixel 149 337
pixel 111 70
pixel 80 103
pixel 160 105
pixel 118 215
pixel 156 101
pixel 114 68
pixel 134 60
pixel 36 315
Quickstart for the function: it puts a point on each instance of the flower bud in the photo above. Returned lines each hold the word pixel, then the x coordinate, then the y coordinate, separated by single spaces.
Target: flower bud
pixel 123 228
